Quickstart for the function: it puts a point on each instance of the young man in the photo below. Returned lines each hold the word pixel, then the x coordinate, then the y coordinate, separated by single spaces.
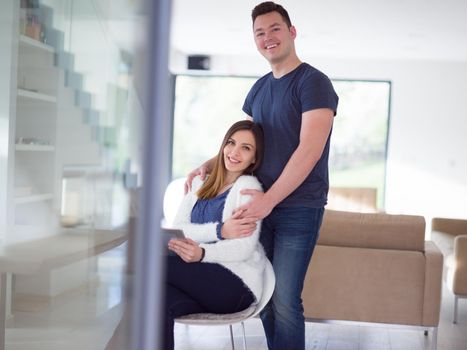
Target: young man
pixel 295 104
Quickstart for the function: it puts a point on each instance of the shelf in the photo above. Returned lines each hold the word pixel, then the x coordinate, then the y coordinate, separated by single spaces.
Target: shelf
pixel 36 96
pixel 25 40
pixel 34 148
pixel 34 198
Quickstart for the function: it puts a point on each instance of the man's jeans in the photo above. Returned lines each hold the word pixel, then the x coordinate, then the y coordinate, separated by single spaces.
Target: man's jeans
pixel 289 236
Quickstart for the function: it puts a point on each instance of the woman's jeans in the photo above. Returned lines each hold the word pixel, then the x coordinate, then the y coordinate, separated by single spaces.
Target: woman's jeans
pixel 289 236
pixel 200 287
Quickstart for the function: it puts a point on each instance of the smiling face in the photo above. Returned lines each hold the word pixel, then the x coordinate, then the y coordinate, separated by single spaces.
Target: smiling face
pixel 273 38
pixel 239 151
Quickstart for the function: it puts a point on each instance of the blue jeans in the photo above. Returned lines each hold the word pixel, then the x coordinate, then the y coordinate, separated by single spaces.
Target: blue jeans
pixel 289 236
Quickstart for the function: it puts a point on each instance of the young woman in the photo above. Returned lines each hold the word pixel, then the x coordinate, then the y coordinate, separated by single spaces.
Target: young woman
pixel 208 272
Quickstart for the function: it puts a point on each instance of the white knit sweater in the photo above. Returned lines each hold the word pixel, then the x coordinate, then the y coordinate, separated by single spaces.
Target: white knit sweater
pixel 245 257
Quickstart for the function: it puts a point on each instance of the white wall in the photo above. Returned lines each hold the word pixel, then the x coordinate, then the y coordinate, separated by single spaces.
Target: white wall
pixel 427 154
pixel 427 161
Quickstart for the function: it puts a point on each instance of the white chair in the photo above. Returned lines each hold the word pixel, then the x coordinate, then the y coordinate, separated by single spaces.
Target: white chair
pixel 208 319
pixel 173 196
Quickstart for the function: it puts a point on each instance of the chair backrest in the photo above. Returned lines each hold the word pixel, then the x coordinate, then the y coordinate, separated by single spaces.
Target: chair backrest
pixel 172 198
pixel 268 289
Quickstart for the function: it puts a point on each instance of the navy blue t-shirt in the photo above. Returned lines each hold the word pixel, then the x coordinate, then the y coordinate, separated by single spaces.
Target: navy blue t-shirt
pixel 278 104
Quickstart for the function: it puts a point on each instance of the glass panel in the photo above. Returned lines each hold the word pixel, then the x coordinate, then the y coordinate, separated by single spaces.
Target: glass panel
pixel 69 168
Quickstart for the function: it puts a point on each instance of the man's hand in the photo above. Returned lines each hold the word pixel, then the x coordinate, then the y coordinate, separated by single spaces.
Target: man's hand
pixel 186 248
pixel 201 171
pixel 258 207
pixel 237 227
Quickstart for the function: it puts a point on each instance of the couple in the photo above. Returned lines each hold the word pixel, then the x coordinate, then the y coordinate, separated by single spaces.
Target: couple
pixel 218 266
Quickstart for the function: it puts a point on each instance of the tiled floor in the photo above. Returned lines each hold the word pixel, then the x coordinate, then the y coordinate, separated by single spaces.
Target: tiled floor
pixel 87 320
pixel 330 336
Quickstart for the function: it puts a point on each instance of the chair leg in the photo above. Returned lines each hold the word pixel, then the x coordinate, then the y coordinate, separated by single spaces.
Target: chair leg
pixel 455 309
pixel 231 337
pixel 244 336
pixel 434 339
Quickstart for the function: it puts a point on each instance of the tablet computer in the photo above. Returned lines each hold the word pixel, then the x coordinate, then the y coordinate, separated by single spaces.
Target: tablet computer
pixel 170 233
pixel 167 235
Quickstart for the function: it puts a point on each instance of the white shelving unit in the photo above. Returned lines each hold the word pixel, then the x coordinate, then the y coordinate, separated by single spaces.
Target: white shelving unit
pixel 27 41
pixel 36 125
pixel 48 129
pixel 34 198
pixel 34 148
pixel 36 96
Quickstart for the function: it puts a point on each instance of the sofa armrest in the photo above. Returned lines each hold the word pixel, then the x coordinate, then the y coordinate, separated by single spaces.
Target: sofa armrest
pixel 433 283
pixel 459 283
pixel 452 226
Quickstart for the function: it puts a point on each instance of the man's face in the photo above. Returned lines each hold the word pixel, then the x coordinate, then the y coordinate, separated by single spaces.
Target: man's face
pixel 274 40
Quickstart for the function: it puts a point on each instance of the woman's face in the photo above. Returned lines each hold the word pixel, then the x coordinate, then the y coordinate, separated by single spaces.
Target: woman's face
pixel 239 151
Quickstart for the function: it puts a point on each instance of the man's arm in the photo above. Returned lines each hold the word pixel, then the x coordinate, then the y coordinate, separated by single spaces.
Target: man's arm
pixel 202 171
pixel 314 132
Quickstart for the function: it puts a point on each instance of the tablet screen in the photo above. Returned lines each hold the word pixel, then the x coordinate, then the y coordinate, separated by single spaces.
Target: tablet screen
pixel 172 233
pixel 168 234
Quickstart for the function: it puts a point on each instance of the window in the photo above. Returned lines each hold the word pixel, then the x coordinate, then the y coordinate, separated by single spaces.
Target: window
pixel 360 133
pixel 206 106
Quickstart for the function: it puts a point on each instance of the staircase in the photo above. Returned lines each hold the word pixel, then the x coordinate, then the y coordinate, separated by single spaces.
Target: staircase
pixel 85 136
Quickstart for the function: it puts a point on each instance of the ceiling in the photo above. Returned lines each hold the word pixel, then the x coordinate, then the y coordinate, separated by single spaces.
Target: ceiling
pixel 348 29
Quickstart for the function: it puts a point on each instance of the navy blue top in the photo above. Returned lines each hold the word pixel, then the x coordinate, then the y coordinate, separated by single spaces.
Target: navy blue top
pixel 209 210
pixel 278 104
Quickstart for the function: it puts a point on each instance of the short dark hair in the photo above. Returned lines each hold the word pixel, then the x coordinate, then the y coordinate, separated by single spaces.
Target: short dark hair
pixel 269 6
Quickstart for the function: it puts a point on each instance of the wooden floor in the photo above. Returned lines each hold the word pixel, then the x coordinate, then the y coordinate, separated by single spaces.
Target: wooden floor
pixel 335 337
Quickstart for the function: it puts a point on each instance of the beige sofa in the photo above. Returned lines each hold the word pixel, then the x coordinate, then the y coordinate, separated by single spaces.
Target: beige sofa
pixel 371 267
pixel 451 237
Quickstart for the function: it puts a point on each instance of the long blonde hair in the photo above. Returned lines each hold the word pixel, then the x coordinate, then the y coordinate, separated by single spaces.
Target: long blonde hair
pixel 217 180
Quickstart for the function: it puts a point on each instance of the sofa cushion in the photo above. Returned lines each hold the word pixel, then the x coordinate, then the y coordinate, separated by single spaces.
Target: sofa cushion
pixel 373 230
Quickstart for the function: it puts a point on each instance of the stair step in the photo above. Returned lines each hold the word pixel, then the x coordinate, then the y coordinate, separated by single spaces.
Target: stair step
pixel 95 134
pixel 130 180
pixel 83 99
pixel 111 135
pixel 91 117
pixel 55 38
pixel 104 135
pixel 73 80
pixel 47 15
pixel 65 60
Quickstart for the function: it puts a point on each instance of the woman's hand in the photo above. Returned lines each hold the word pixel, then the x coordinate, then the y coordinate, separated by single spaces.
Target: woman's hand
pixel 238 227
pixel 186 248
